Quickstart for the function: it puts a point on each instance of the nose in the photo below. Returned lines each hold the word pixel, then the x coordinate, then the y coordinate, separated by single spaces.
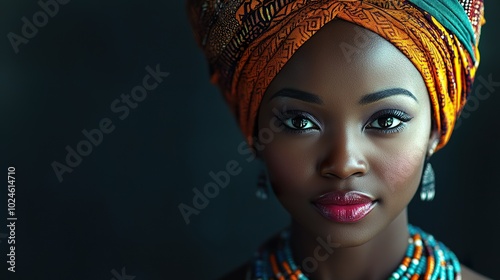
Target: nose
pixel 343 156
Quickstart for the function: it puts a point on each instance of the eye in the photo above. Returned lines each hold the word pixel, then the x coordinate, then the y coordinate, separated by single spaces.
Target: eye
pixel 299 122
pixel 385 122
pixel 389 121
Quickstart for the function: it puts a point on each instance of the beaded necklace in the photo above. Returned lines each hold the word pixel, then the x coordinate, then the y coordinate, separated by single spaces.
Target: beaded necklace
pixel 425 256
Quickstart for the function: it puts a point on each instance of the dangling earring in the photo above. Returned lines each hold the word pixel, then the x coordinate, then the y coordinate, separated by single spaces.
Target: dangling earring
pixel 262 185
pixel 427 183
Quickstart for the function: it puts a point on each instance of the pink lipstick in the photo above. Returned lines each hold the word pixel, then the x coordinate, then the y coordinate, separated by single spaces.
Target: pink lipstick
pixel 344 207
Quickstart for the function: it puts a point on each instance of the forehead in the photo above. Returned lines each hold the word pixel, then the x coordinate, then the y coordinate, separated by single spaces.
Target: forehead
pixel 346 60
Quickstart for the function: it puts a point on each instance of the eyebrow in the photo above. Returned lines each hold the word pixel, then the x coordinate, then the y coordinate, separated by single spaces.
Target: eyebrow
pixel 298 94
pixel 369 98
pixel 376 96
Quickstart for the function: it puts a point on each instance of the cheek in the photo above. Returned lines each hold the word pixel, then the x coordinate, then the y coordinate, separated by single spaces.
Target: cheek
pixel 403 170
pixel 288 171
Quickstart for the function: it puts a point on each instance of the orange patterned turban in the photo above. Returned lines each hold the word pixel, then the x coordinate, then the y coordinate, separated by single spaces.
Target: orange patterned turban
pixel 247 42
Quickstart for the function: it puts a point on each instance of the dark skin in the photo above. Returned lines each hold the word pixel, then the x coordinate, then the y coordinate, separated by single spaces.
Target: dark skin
pixel 347 137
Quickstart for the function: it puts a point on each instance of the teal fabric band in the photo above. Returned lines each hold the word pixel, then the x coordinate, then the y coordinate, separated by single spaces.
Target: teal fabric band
pixel 452 16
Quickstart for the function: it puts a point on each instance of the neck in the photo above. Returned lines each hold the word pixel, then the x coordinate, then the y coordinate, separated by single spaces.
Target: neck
pixel 375 259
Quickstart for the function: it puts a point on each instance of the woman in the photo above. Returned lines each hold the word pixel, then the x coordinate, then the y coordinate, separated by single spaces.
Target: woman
pixel 345 121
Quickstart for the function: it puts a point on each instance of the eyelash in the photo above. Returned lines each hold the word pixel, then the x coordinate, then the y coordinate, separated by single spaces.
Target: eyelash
pixel 291 114
pixel 401 116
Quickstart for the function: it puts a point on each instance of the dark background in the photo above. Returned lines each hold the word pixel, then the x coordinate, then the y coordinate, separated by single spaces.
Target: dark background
pixel 117 211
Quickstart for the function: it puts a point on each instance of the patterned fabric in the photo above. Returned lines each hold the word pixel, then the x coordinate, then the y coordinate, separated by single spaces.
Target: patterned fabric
pixel 466 26
pixel 247 42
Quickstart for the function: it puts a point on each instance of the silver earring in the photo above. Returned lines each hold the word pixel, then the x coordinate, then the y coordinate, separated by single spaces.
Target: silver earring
pixel 427 183
pixel 262 186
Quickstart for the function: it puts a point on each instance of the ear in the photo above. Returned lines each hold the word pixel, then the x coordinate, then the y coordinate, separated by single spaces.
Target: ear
pixel 433 142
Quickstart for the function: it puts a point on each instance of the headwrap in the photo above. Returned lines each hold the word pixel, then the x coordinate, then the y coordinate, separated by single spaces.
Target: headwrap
pixel 247 42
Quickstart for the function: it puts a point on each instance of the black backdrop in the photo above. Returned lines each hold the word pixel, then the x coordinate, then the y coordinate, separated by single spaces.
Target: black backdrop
pixel 115 215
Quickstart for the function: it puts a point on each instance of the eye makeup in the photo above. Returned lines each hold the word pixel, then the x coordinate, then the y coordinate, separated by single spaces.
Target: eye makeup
pixel 391 116
pixel 290 119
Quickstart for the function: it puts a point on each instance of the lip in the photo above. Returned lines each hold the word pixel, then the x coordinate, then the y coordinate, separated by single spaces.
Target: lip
pixel 344 207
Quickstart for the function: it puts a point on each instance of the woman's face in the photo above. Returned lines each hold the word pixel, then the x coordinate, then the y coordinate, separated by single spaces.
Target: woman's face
pixel 354 123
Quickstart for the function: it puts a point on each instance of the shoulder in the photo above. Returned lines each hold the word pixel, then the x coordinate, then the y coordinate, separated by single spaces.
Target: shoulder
pixel 240 273
pixel 469 274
